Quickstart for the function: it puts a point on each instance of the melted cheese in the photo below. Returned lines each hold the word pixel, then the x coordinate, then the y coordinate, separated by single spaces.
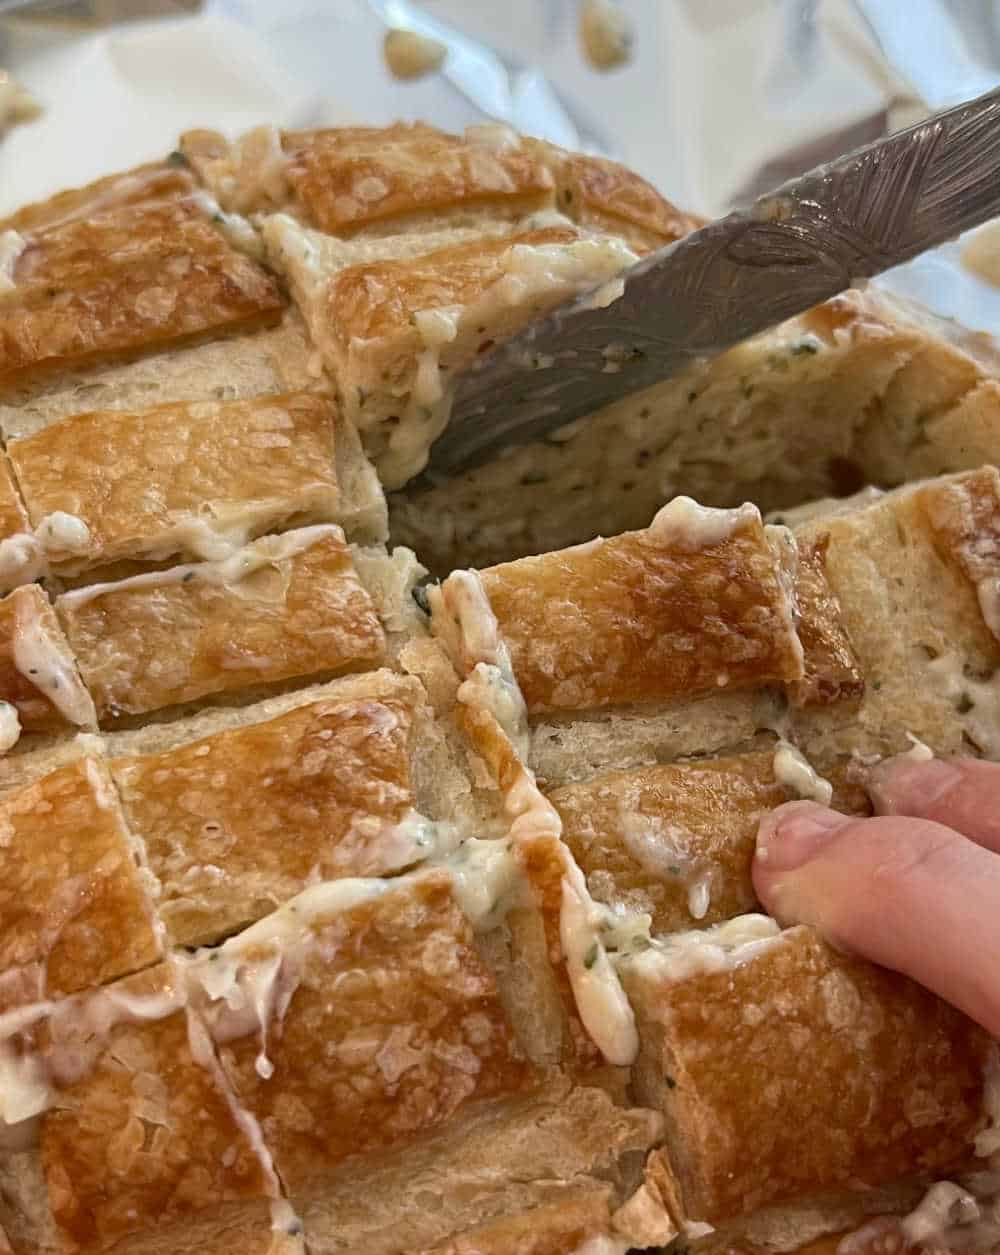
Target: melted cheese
pixel 284 1218
pixel 10 727
pixel 532 814
pixel 12 245
pixel 256 973
pixel 492 684
pixel 918 751
pixel 684 524
pixel 38 659
pixel 680 956
pixel 25 1090
pixel 601 1244
pixel 253 172
pixel 487 880
pixel 236 229
pixel 944 1206
pixel 977 701
pixel 794 772
pixel 226 573
pixel 60 532
pixel 415 839
pixel 604 1009
pixel 988 1139
pixel 988 593
pixel 498 137
pixel 22 560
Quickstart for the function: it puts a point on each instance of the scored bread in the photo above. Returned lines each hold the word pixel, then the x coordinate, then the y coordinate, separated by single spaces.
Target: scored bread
pixel 339 914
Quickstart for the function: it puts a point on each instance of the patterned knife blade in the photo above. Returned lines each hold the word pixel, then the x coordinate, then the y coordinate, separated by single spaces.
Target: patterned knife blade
pixel 801 244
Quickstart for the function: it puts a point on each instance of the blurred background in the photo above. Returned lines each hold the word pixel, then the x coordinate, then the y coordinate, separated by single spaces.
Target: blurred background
pixel 713 100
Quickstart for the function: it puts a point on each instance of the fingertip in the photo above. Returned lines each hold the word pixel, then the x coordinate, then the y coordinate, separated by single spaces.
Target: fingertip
pixel 906 786
pixel 795 832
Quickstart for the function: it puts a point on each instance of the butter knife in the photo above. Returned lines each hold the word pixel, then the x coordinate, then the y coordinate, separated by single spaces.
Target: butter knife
pixel 813 237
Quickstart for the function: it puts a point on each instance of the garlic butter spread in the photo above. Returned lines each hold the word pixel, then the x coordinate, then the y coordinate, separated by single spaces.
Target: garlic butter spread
pixel 794 772
pixel 686 525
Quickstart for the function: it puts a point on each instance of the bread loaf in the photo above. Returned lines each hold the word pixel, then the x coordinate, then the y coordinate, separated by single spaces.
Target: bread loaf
pixel 343 913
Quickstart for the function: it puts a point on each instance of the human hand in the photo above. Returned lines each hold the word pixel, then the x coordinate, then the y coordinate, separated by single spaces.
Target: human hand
pixel 916 888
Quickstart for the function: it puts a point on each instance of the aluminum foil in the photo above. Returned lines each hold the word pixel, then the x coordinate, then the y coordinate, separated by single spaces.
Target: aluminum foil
pixel 719 99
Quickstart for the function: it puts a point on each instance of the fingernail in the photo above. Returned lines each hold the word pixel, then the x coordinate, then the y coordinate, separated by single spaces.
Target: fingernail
pixel 902 786
pixel 794 833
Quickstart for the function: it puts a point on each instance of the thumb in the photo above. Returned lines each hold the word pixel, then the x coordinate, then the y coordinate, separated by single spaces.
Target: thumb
pixel 910 894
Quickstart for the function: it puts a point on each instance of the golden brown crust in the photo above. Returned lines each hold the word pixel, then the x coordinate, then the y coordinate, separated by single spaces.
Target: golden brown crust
pixel 354 177
pixel 247 1227
pixel 146 1135
pixel 130 279
pixel 159 180
pixel 963 515
pixel 37 671
pixel 556 1228
pixel 832 672
pixel 13 518
pixel 74 906
pixel 175 478
pixel 236 823
pixel 414 1032
pixel 599 193
pixel 378 300
pixel 635 620
pixel 191 633
pixel 645 839
pixel 802 1071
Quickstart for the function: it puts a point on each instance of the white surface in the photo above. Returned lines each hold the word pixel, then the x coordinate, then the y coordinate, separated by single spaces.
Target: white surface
pixel 716 90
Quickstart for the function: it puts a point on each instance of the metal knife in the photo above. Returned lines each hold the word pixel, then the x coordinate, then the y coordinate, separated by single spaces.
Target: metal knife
pixel 802 244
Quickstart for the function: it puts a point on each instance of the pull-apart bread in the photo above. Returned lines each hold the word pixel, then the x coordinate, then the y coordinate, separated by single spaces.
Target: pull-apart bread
pixel 341 913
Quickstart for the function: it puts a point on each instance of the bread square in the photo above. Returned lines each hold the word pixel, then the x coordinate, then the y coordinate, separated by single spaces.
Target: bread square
pixel 142 1130
pixel 193 480
pixel 674 840
pixel 239 821
pixel 285 607
pixel 785 1069
pixel 414 1033
pixel 75 904
pixel 647 616
pixel 130 278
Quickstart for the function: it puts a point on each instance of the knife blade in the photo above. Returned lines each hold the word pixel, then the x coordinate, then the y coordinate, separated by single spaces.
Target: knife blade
pixel 810 239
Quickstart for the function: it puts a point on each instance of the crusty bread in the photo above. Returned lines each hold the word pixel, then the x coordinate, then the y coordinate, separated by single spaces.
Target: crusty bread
pixel 389 919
